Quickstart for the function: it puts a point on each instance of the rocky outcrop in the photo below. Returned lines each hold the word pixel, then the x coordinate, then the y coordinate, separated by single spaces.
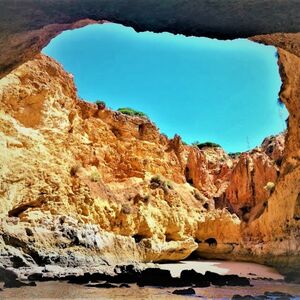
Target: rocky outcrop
pixel 273 146
pixel 209 170
pixel 237 182
pixel 252 181
pixel 277 229
pixel 95 184
pixel 130 194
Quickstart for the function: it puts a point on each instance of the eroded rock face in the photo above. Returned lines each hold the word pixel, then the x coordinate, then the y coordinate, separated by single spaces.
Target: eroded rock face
pixel 126 187
pixel 120 182
pixel 249 181
pixel 277 229
pixel 209 170
pixel 36 123
pixel 133 185
pixel 130 194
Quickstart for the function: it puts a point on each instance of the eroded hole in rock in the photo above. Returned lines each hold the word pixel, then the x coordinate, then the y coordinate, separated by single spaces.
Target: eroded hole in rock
pixel 297 209
pixel 212 242
pixel 169 238
pixel 138 237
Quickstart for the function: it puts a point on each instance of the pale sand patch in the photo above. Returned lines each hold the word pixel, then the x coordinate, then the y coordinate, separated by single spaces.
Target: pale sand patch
pixel 250 270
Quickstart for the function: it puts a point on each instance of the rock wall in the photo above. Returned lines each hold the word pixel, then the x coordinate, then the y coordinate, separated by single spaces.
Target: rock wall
pixel 40 115
pixel 277 229
pixel 249 181
pixel 129 193
pixel 115 177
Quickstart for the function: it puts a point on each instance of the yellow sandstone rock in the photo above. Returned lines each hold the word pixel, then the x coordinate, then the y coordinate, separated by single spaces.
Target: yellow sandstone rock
pixel 97 183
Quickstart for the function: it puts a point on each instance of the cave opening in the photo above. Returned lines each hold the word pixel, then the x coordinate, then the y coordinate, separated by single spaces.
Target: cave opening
pixel 224 92
pixel 212 242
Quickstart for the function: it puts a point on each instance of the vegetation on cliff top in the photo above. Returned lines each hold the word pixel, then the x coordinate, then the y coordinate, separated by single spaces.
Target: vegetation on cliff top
pixel 132 112
pixel 206 145
pixel 234 154
pixel 100 104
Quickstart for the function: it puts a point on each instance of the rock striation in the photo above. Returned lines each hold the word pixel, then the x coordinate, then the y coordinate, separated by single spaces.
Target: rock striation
pixel 254 177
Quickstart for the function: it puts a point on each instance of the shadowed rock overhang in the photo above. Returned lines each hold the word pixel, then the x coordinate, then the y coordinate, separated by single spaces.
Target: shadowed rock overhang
pixel 26 26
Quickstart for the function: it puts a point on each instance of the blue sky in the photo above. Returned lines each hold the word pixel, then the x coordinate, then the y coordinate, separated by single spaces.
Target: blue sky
pixel 199 88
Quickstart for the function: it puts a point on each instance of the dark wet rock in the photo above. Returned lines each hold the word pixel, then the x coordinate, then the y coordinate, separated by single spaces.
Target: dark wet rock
pixel 126 274
pixel 31 283
pixel 230 280
pixel 87 277
pixel 79 279
pixel 293 277
pixel 124 285
pixel 94 277
pixel 239 297
pixel 10 279
pixel 105 285
pixel 44 277
pixel 192 277
pixel 266 296
pixel 35 277
pixel 278 295
pixel 17 284
pixel 148 277
pixel 188 291
pixel 18 262
pixel 73 278
pixel 235 280
pixel 7 275
pixel 158 277
pixel 249 297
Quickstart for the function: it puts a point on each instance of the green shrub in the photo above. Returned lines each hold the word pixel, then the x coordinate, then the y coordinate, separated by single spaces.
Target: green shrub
pixel 131 112
pixel 206 145
pixel 95 176
pixel 158 182
pixel 270 187
pixel 140 197
pixel 234 154
pixel 100 104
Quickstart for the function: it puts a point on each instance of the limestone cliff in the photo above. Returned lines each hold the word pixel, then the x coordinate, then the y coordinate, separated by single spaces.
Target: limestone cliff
pixel 254 177
pixel 41 115
pixel 109 173
pixel 276 231
pixel 83 186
